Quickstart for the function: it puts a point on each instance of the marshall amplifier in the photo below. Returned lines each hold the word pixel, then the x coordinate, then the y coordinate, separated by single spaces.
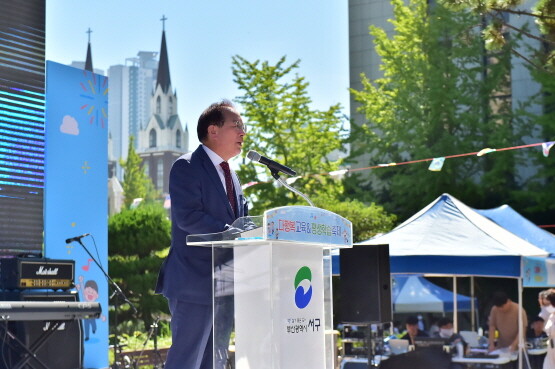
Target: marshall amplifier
pixel 25 273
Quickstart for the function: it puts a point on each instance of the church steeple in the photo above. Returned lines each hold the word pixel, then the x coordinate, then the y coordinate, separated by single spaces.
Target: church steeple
pixel 88 61
pixel 163 78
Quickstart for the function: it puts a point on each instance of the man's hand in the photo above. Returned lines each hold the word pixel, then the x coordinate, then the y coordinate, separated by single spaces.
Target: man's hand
pixel 491 347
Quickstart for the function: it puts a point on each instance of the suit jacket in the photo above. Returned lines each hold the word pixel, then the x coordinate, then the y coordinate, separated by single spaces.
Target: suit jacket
pixel 199 204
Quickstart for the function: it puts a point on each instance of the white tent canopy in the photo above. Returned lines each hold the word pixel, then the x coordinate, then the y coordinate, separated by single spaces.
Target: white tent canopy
pixel 449 227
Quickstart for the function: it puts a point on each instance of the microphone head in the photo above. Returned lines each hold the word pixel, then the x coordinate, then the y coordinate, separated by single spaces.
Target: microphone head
pixel 253 155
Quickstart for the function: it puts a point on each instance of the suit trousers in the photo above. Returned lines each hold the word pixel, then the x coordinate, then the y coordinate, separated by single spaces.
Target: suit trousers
pixel 193 339
pixel 191 326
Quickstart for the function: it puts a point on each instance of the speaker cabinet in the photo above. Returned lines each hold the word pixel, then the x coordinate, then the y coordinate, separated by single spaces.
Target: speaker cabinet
pixel 365 285
pixel 62 350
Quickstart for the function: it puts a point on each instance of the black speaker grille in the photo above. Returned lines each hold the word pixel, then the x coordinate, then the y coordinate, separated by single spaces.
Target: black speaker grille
pixel 365 285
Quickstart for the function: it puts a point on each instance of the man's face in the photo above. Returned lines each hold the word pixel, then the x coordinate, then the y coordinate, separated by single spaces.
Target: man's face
pixel 537 326
pixel 227 140
pixel 412 329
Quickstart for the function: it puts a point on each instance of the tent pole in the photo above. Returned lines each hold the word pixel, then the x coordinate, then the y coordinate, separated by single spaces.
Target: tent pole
pixel 455 310
pixel 520 338
pixel 472 307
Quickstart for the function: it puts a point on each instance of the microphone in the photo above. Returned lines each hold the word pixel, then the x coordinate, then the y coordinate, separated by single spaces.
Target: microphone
pixel 77 238
pixel 272 165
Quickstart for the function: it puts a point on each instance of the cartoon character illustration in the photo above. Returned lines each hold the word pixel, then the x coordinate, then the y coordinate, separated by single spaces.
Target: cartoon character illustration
pixel 89 292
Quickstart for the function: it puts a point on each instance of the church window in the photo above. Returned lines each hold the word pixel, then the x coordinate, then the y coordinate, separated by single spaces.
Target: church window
pixel 158 105
pixel 152 138
pixel 160 174
pixel 170 107
pixel 178 139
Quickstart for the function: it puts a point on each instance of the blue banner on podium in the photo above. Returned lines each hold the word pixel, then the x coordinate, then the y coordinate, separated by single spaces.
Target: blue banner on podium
pixel 307 224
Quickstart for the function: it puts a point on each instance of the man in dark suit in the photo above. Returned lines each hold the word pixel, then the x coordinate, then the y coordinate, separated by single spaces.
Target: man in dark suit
pixel 206 197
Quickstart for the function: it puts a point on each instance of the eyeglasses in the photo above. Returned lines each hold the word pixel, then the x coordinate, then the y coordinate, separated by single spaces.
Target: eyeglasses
pixel 240 125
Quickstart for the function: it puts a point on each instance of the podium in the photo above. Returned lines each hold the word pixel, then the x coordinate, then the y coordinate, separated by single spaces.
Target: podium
pixel 272 288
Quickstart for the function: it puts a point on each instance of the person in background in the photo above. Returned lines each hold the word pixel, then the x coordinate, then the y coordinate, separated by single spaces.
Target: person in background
pixel 447 331
pixel 504 319
pixel 456 341
pixel 535 330
pixel 545 306
pixel 434 329
pixel 412 330
pixel 535 336
pixel 549 362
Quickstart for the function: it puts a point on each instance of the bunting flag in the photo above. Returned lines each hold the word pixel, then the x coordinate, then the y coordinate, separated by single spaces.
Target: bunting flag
pixel 436 164
pixel 485 151
pixel 338 174
pixel 292 180
pixel 250 184
pixel 546 146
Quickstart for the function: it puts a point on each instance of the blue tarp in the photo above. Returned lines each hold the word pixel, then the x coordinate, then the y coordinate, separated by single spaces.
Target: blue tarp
pixel 411 294
pixel 511 220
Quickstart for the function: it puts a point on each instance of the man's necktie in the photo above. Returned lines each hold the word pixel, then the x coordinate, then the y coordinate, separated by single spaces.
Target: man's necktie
pixel 229 186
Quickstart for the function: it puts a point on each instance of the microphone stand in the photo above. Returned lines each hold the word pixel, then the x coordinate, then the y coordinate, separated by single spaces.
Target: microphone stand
pixel 118 293
pixel 153 333
pixel 275 174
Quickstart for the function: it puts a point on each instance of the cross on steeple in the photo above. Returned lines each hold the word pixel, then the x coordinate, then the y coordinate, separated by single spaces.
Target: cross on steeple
pixel 89 32
pixel 163 19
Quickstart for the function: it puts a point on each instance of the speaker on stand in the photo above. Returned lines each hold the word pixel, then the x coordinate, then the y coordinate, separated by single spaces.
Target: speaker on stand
pixel 365 295
pixel 365 285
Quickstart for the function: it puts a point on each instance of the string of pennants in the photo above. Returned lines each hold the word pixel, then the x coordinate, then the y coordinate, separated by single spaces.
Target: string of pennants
pixel 436 163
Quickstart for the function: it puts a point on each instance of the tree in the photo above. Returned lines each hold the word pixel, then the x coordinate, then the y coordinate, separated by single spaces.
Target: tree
pixel 138 239
pixel 538 199
pixel 499 30
pixel 282 125
pixel 440 94
pixel 136 184
pixel 368 220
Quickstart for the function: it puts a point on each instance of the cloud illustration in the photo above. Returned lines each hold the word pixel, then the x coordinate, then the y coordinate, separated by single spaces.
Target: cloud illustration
pixel 69 126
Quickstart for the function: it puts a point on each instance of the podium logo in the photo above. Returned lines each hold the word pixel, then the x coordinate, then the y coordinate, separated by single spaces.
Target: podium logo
pixel 303 287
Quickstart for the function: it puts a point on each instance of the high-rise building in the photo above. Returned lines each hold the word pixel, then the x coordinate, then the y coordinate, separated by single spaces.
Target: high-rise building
pixel 131 88
pixel 162 140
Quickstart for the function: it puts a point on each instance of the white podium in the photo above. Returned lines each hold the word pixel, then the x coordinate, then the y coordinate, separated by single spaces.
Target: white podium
pixel 272 288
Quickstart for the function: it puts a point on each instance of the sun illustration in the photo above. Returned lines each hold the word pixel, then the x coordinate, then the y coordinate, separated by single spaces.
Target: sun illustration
pixel 95 93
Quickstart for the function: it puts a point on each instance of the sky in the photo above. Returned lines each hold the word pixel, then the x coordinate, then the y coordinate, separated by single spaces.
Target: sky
pixel 202 36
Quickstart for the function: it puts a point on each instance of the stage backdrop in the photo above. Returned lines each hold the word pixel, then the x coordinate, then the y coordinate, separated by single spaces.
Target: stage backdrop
pixel 76 182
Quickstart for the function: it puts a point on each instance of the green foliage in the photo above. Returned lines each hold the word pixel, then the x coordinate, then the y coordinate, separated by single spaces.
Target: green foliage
pixel 282 125
pixel 136 238
pixel 500 29
pixel 437 97
pixel 367 220
pixel 538 197
pixel 136 184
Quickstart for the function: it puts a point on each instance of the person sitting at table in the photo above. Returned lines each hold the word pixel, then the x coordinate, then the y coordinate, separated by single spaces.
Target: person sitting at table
pixel 504 319
pixel 447 332
pixel 535 330
pixel 535 335
pixel 412 330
